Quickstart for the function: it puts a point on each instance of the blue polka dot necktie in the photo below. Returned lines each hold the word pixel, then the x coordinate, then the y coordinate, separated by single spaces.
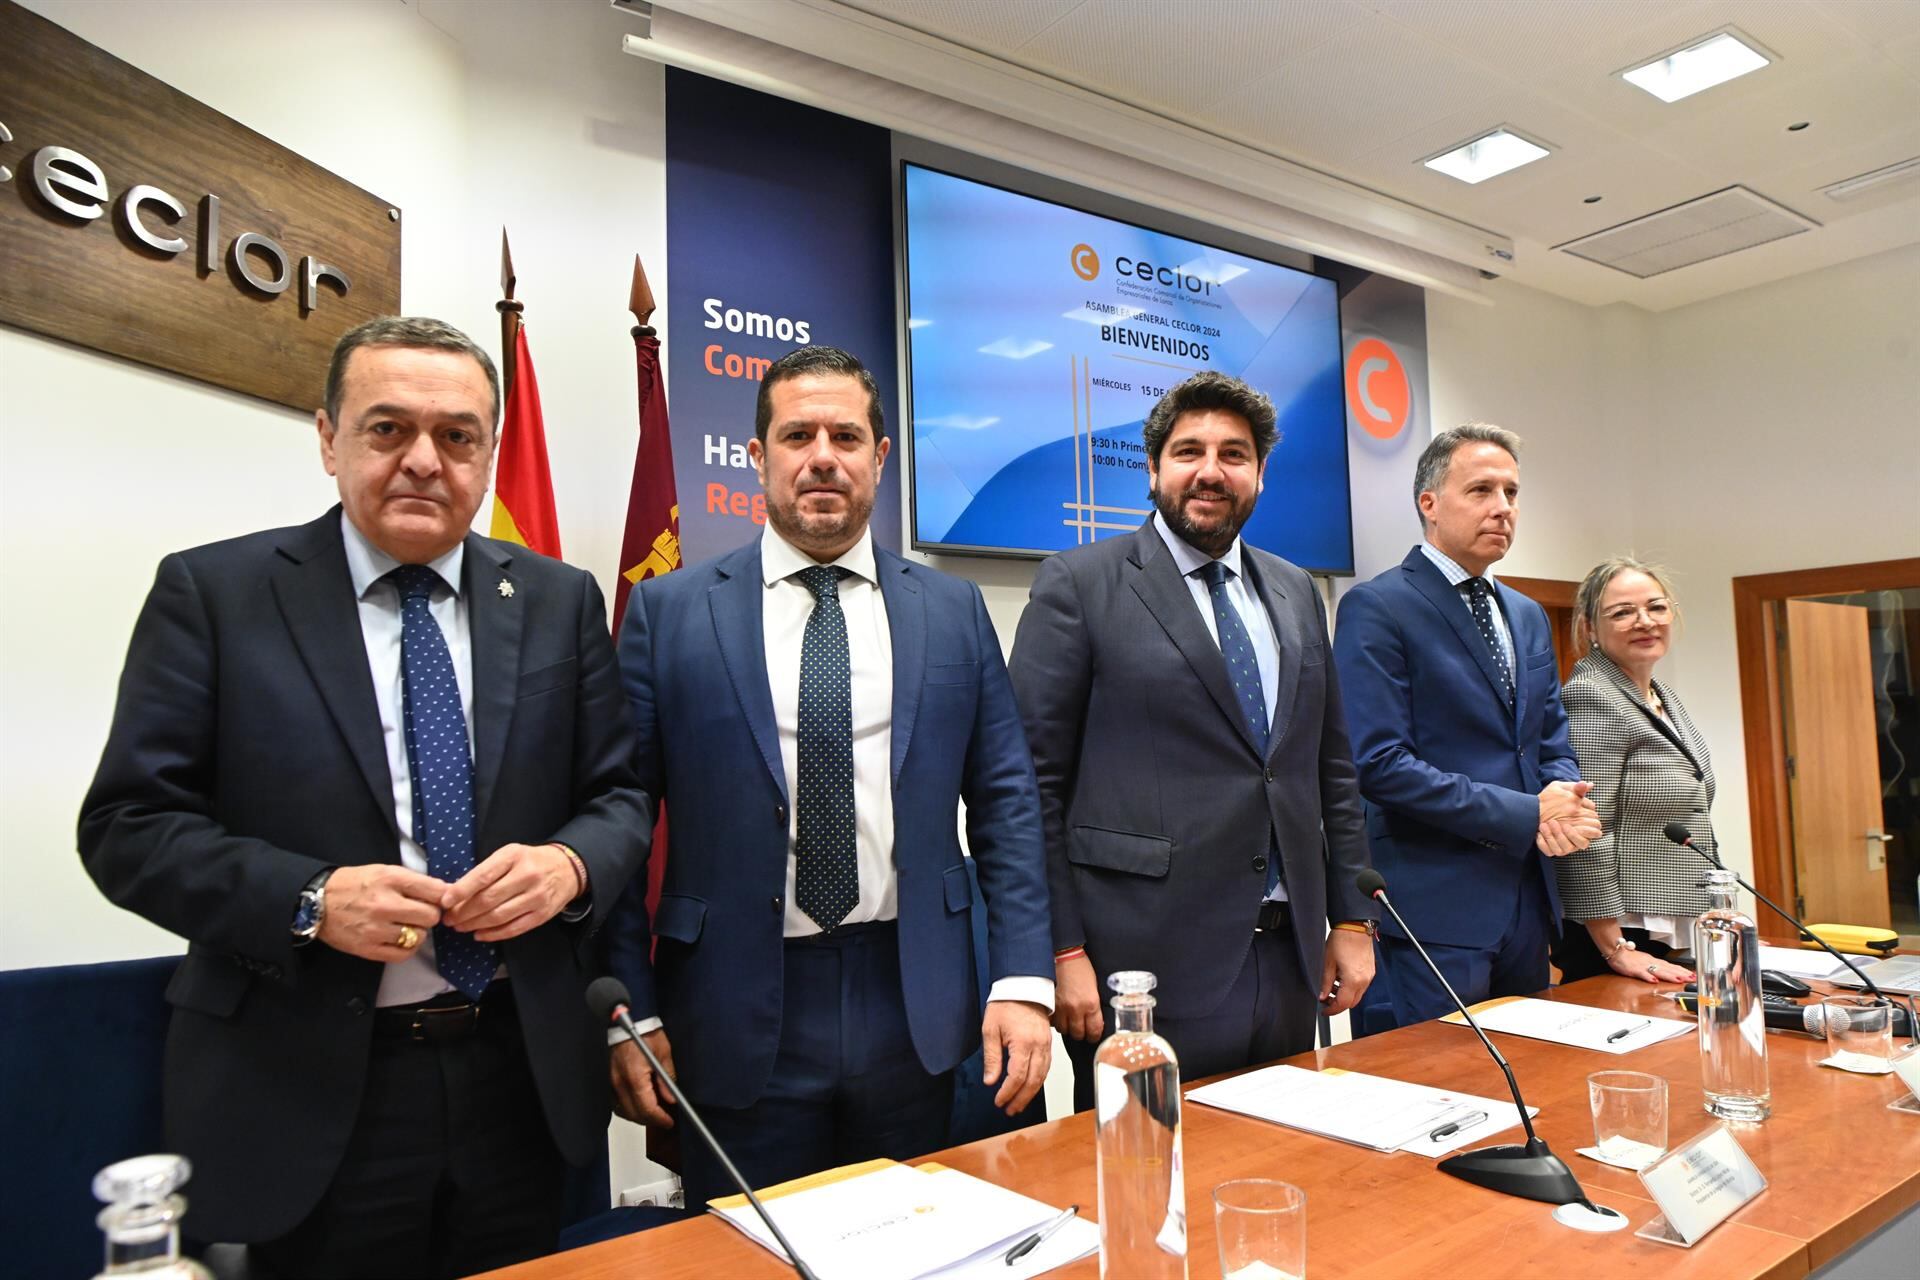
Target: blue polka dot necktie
pixel 441 768
pixel 1479 599
pixel 1243 668
pixel 826 867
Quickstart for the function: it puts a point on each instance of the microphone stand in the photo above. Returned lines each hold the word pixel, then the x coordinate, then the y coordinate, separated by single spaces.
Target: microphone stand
pixel 1804 933
pixel 1530 1171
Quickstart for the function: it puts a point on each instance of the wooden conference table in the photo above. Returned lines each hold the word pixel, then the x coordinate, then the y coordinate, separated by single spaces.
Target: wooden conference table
pixel 1838 1165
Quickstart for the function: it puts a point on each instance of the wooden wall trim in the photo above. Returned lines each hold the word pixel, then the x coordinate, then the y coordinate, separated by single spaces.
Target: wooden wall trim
pixel 1549 592
pixel 1757 650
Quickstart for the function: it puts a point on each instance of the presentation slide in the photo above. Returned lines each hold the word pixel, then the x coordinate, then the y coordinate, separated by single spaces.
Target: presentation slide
pixel 1040 336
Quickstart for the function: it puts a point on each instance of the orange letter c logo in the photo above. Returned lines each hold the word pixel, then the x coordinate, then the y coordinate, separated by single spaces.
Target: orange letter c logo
pixel 1086 263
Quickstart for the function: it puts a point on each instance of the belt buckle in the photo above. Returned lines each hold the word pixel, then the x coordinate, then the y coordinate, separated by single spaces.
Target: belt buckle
pixel 1272 915
pixel 449 1022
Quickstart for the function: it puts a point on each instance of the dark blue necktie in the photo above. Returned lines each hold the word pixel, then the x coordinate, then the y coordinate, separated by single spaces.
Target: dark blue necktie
pixel 826 866
pixel 1243 667
pixel 441 768
pixel 1479 599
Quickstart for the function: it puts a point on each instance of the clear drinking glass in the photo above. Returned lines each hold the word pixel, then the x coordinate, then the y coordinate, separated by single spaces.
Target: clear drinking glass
pixel 1262 1229
pixel 1859 1033
pixel 1629 1117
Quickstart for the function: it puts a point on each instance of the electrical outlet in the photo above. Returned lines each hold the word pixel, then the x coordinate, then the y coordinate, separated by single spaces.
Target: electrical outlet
pixel 664 1194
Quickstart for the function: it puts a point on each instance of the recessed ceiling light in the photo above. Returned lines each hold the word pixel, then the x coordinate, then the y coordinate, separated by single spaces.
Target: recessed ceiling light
pixel 1486 156
pixel 1797 127
pixel 1901 171
pixel 1591 200
pixel 1701 65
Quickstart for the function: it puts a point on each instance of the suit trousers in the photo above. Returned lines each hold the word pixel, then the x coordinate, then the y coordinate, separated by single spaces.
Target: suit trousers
pixel 1404 991
pixel 847 1084
pixel 450 1170
pixel 1269 1012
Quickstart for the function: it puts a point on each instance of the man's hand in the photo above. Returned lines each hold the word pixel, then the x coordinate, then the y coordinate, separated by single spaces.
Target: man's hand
pixel 517 889
pixel 1076 999
pixel 1564 800
pixel 638 1094
pixel 367 905
pixel 1348 971
pixel 1562 836
pixel 1016 1032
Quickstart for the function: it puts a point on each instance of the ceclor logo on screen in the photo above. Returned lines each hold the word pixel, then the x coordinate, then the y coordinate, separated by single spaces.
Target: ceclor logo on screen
pixel 1086 263
pixel 1378 394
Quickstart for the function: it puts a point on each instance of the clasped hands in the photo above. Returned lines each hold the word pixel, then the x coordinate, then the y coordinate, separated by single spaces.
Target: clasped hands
pixel 517 888
pixel 1568 820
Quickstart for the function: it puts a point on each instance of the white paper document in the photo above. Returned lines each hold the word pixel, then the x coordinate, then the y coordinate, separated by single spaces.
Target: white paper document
pixel 1801 964
pixel 1578 1025
pixel 899 1223
pixel 1371 1111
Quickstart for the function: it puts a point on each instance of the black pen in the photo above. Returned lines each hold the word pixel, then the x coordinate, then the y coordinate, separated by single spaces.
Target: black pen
pixel 1624 1032
pixel 1448 1130
pixel 1034 1241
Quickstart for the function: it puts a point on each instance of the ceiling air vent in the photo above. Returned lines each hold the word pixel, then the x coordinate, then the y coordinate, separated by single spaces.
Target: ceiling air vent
pixel 1709 227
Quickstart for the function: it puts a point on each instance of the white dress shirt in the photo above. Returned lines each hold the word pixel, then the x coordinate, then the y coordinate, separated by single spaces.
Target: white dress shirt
pixel 786 604
pixel 1459 578
pixel 414 979
pixel 1253 616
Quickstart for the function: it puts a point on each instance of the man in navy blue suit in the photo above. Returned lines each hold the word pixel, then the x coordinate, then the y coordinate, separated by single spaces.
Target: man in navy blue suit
pixel 813 711
pixel 1453 702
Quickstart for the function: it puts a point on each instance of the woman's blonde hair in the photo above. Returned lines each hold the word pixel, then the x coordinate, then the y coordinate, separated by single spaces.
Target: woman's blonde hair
pixel 1586 601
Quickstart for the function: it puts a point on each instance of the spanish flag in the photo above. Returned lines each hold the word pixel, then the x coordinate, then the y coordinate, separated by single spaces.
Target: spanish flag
pixel 523 509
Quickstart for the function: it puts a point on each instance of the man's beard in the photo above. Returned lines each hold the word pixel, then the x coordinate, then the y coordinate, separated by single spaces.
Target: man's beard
pixel 811 533
pixel 1213 538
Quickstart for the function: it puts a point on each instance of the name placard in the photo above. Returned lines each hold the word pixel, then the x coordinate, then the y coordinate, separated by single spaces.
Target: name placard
pixel 1906 1065
pixel 137 221
pixel 1699 1185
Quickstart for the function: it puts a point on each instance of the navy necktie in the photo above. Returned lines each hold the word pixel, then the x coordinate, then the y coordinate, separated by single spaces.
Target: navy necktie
pixel 826 866
pixel 1479 599
pixel 442 769
pixel 1243 667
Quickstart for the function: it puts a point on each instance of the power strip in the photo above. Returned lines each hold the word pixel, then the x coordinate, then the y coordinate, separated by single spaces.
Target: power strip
pixel 664 1194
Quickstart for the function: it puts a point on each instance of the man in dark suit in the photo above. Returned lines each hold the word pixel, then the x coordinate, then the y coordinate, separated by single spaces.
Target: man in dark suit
pixel 1202 816
pixel 1454 703
pixel 376 770
pixel 813 711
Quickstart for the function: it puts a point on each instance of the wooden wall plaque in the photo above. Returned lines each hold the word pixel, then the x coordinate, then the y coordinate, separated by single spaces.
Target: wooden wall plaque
pixel 137 221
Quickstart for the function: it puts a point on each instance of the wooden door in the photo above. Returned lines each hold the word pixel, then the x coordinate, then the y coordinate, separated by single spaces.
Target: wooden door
pixel 1833 766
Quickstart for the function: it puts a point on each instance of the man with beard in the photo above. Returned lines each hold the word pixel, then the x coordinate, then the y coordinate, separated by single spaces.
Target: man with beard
pixel 1202 816
pixel 812 711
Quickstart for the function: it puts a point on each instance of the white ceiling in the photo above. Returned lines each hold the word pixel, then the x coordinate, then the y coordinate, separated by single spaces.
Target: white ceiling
pixel 1366 89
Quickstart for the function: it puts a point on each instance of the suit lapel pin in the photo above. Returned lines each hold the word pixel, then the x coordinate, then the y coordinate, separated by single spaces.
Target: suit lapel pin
pixel 505 589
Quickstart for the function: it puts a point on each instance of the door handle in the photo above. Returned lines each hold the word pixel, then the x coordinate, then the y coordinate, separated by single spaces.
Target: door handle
pixel 1877 842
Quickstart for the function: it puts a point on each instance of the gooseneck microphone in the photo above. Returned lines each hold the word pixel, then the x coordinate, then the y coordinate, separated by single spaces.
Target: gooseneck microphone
pixel 1531 1171
pixel 1678 833
pixel 608 999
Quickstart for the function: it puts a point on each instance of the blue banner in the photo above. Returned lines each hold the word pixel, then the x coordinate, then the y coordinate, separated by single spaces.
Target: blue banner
pixel 779 235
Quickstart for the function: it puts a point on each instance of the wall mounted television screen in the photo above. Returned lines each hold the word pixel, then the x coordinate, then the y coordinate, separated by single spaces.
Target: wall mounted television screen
pixel 1038 338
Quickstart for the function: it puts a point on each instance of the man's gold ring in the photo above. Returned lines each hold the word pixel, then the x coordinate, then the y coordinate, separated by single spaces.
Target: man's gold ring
pixel 409 938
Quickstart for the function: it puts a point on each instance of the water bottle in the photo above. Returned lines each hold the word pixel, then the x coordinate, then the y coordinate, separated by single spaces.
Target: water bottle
pixel 1136 1102
pixel 1733 1032
pixel 142 1219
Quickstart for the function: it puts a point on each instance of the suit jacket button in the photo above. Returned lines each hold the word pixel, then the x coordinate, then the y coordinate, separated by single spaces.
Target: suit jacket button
pixel 1260 863
pixel 357 1005
pixel 780 814
pixel 779 904
pixel 1269 775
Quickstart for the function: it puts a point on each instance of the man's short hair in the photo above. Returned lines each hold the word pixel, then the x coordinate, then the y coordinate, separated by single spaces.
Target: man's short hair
pixel 1431 471
pixel 405 331
pixel 824 361
pixel 1210 390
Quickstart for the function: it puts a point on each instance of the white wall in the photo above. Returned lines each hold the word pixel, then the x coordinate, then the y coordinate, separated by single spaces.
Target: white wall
pixel 105 466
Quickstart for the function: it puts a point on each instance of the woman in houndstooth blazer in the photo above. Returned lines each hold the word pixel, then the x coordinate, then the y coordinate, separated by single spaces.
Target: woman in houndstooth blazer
pixel 1630 896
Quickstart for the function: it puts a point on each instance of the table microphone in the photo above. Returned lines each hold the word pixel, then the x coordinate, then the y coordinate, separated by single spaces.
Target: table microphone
pixel 1678 833
pixel 1531 1171
pixel 608 997
pixel 1810 1018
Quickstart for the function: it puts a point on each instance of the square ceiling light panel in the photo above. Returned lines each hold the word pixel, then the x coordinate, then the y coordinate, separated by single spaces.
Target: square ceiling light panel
pixel 1487 156
pixel 1703 64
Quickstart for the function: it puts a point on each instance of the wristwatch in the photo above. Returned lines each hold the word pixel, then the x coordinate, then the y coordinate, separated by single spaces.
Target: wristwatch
pixel 312 911
pixel 1370 927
